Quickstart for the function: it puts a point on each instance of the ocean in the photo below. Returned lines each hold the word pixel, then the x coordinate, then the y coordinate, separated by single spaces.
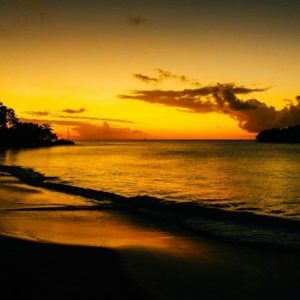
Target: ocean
pixel 240 176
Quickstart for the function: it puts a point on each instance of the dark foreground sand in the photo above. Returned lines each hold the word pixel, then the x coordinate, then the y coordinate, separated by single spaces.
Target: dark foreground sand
pixel 30 270
pixel 142 259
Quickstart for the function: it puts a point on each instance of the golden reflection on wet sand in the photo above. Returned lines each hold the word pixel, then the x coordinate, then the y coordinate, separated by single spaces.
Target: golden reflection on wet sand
pixel 168 263
pixel 79 227
pixel 94 228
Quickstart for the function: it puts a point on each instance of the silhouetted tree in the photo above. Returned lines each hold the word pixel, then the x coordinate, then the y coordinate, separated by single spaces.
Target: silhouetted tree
pixel 280 135
pixel 7 117
pixel 14 133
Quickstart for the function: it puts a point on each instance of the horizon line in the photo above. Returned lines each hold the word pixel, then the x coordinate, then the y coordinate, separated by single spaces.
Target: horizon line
pixel 158 139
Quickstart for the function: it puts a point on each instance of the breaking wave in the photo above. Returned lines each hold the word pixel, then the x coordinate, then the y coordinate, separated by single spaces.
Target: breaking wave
pixel 218 222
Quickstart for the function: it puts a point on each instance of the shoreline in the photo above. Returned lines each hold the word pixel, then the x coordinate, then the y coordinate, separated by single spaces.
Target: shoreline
pixel 59 142
pixel 127 256
pixel 238 227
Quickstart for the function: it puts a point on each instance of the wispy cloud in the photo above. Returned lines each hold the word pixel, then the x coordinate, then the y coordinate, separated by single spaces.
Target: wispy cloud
pixel 92 131
pixel 146 79
pixel 252 115
pixel 136 20
pixel 74 111
pixel 106 131
pixel 38 113
pixel 95 119
pixel 163 75
pixel 72 117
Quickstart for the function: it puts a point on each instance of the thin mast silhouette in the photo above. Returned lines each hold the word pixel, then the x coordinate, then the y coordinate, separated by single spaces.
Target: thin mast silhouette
pixel 68 133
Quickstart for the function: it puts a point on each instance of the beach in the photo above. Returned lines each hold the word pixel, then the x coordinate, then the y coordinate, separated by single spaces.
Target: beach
pixel 34 270
pixel 149 150
pixel 55 245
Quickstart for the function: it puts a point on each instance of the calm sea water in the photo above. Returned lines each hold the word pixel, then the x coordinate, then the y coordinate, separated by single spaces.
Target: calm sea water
pixel 234 175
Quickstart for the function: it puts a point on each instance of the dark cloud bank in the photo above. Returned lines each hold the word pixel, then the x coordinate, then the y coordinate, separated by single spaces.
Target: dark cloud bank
pixel 252 115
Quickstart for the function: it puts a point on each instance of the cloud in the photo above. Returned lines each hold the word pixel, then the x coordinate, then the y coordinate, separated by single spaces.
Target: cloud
pixel 52 121
pixel 146 79
pixel 92 131
pixel 60 116
pixel 252 115
pixel 95 119
pixel 196 100
pixel 163 75
pixel 74 111
pixel 136 20
pixel 117 120
pixel 38 113
pixel 106 131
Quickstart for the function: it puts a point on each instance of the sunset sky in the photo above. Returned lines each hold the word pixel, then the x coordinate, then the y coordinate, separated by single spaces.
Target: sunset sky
pixel 152 69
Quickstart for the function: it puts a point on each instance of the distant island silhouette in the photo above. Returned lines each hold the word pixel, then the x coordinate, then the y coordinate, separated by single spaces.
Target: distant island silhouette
pixel 280 135
pixel 17 134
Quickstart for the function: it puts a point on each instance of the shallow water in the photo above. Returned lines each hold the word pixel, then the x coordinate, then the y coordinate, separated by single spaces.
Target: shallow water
pixel 15 195
pixel 235 175
pixel 47 216
pixel 168 262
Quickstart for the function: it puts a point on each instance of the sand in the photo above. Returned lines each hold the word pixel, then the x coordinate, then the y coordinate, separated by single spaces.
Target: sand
pixel 119 255
pixel 31 270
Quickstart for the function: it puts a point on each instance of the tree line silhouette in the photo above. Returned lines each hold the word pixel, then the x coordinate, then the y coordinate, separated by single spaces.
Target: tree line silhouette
pixel 280 135
pixel 15 134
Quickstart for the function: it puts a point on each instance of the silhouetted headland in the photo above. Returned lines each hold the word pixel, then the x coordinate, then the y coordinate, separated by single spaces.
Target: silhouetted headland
pixel 280 135
pixel 17 134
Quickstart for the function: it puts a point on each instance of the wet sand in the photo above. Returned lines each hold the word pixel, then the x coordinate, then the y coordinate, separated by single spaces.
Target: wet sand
pixel 41 270
pixel 72 248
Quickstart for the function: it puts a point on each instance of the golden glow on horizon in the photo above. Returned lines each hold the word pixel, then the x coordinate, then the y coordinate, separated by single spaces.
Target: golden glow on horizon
pixel 66 64
pixel 156 120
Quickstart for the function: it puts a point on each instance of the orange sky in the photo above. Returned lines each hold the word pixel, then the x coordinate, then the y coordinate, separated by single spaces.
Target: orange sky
pixel 81 54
